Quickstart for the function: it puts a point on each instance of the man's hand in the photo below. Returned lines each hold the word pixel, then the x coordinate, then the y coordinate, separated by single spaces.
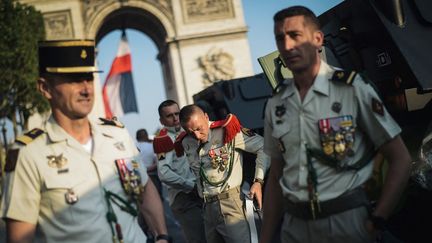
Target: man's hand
pixel 255 192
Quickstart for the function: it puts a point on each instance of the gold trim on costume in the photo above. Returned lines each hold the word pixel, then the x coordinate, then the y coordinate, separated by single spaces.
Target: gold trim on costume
pixel 83 69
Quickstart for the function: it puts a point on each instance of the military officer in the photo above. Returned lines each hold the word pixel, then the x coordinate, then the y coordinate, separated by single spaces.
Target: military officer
pixel 74 179
pixel 320 130
pixel 213 151
pixel 175 172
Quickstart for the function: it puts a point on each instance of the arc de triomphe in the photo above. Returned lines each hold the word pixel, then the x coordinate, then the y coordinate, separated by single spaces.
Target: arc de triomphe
pixel 199 41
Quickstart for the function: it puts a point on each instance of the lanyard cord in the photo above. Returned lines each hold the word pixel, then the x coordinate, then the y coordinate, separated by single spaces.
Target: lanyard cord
pixel 112 217
pixel 230 168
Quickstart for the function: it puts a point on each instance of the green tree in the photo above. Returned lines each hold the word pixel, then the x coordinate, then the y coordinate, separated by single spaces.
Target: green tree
pixel 21 27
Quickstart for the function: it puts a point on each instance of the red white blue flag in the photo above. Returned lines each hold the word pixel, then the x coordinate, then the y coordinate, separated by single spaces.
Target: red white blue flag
pixel 118 91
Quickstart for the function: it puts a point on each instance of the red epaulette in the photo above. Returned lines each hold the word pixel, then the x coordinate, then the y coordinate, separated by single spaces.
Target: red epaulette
pixel 178 146
pixel 231 127
pixel 162 143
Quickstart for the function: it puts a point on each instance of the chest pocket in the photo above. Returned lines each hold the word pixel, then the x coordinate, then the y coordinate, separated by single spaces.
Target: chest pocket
pixel 59 194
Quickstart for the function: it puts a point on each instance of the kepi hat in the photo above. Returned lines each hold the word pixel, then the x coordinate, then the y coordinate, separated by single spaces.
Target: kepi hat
pixel 67 56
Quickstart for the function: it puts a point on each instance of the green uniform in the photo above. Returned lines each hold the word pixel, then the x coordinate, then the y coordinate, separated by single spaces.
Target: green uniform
pixel 344 121
pixel 59 186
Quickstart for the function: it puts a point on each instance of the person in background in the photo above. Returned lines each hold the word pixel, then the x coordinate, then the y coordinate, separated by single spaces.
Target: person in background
pixel 74 179
pixel 145 147
pixel 321 130
pixel 213 149
pixel 175 172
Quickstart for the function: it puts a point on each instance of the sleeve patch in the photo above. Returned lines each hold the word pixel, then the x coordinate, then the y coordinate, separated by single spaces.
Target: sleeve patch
pixel 11 160
pixel 377 107
pixel 247 132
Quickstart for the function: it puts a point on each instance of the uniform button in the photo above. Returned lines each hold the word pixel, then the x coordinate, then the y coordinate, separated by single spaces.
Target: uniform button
pixel 302 168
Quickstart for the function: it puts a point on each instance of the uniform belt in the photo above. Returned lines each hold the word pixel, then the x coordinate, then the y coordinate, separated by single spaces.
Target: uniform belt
pixel 222 195
pixel 349 200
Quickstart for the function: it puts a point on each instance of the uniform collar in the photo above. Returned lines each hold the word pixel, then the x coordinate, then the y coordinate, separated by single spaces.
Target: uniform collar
pixel 320 85
pixel 57 134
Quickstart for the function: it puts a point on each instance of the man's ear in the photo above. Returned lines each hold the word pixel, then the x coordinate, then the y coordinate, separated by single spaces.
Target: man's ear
pixel 44 87
pixel 318 39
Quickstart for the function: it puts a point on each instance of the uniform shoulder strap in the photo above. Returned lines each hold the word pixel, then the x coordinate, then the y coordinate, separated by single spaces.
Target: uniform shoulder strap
pixel 111 122
pixel 178 146
pixel 162 143
pixel 29 136
pixel 231 126
pixel 342 76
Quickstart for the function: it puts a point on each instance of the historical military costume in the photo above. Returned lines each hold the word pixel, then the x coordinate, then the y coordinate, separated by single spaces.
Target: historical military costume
pixel 175 172
pixel 327 142
pixel 218 165
pixel 68 191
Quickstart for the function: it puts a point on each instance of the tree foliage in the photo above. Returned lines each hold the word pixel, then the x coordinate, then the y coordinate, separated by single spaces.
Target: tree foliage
pixel 21 27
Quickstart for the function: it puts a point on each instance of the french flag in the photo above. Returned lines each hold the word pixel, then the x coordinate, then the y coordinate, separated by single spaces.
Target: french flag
pixel 118 91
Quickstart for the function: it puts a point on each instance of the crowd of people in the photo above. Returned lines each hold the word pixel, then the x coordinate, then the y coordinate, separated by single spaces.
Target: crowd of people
pixel 79 180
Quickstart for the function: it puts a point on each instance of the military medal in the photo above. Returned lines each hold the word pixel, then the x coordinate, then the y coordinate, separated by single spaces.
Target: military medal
pixel 219 158
pixel 129 177
pixel 71 197
pixel 280 110
pixel 56 161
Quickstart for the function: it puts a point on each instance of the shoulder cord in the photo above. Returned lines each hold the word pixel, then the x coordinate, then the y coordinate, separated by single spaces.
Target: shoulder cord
pixel 112 217
pixel 204 176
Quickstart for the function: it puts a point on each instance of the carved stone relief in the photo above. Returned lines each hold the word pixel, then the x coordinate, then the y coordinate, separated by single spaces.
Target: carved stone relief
pixel 198 10
pixel 217 65
pixel 58 25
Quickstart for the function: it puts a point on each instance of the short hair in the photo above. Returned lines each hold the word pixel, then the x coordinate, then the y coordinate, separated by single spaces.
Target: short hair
pixel 165 104
pixel 187 111
pixel 309 16
pixel 141 134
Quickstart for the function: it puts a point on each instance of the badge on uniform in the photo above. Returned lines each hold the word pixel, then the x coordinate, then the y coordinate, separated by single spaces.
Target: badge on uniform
pixel 58 162
pixel 130 176
pixel 337 136
pixel 279 112
pixel 247 132
pixel 71 197
pixel 120 146
pixel 377 107
pixel 219 158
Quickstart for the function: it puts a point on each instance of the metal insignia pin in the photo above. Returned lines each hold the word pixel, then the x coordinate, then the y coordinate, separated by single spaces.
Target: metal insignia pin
pixel 71 197
pixel 280 110
pixel 57 161
pixel 120 146
pixel 336 107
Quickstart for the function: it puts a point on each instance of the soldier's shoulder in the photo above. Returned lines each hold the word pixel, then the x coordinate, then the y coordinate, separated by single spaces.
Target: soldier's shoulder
pixel 162 142
pixel 343 77
pixel 112 122
pixel 231 126
pixel 29 137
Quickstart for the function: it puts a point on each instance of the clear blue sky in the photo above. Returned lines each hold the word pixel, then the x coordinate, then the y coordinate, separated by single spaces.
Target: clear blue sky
pixel 147 72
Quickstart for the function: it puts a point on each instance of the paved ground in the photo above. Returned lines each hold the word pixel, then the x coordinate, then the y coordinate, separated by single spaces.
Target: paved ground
pixel 173 227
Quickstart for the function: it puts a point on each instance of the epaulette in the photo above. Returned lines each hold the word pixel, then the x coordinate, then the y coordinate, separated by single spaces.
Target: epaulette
pixel 111 122
pixel 231 127
pixel 162 143
pixel 178 146
pixel 341 76
pixel 30 136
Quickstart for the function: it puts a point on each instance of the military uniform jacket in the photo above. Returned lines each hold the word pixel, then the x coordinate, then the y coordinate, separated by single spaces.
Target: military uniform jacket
pixel 215 148
pixel 36 191
pixel 290 125
pixel 172 170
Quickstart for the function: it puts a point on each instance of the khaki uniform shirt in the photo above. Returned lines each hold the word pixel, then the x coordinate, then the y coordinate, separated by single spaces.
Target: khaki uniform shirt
pixel 175 171
pixel 201 158
pixel 291 124
pixel 35 191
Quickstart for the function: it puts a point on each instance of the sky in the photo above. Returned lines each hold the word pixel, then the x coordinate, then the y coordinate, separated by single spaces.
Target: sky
pixel 146 70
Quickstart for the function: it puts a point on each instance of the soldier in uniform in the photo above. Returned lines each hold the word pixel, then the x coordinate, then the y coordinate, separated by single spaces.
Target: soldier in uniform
pixel 320 131
pixel 213 150
pixel 74 179
pixel 175 172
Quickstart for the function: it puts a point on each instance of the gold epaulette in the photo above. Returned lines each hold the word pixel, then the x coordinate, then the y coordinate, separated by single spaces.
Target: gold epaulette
pixel 346 77
pixel 30 136
pixel 231 126
pixel 111 122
